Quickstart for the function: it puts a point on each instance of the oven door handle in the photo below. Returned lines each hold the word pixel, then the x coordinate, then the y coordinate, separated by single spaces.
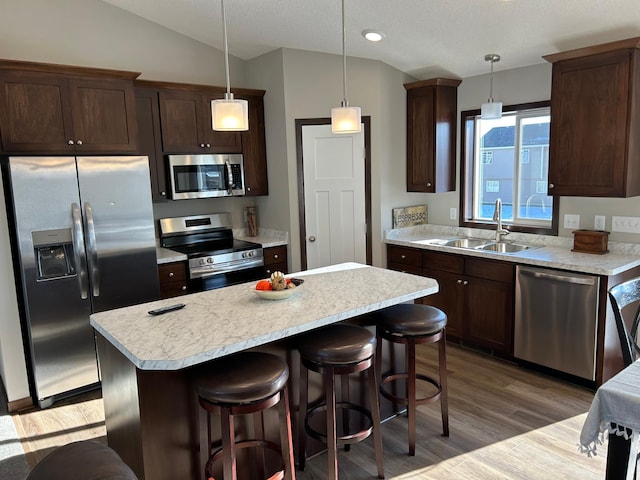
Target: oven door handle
pixel 209 271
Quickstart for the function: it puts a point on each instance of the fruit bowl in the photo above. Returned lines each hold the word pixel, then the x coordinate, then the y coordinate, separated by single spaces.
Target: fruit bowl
pixel 279 294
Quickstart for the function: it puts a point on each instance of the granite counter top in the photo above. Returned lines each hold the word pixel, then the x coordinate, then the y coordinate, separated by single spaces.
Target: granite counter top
pixel 551 252
pixel 227 320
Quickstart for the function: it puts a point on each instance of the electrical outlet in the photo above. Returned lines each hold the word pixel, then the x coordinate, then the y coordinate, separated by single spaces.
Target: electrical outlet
pixel 453 213
pixel 625 224
pixel 571 220
pixel 598 222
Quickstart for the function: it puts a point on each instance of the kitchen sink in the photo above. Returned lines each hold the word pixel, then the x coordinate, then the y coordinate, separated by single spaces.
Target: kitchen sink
pixel 484 244
pixel 504 247
pixel 465 242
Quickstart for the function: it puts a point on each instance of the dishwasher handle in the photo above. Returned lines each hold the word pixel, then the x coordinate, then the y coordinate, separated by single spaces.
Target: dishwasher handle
pixel 559 278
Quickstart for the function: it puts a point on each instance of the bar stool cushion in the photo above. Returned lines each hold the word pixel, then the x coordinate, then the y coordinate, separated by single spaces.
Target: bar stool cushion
pixel 411 319
pixel 84 460
pixel 338 345
pixel 243 378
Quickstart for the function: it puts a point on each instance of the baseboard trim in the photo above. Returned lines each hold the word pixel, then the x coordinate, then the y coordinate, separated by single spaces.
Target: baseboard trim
pixel 20 404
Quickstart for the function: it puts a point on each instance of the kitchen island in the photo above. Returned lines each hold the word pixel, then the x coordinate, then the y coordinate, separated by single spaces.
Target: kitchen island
pixel 151 411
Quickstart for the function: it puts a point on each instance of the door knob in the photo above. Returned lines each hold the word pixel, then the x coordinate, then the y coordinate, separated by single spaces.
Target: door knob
pixel 312 239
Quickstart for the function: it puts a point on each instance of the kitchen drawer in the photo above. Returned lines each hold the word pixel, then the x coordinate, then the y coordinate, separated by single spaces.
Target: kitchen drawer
pixel 407 256
pixel 275 255
pixel 275 267
pixel 443 261
pixel 172 272
pixel 405 267
pixel 489 270
pixel 173 289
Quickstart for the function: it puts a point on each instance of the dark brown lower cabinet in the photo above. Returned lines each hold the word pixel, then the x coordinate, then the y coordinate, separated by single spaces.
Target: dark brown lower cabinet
pixel 475 293
pixel 275 260
pixel 173 279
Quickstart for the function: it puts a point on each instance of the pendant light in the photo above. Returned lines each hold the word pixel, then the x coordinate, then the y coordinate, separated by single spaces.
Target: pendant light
pixel 345 119
pixel 228 114
pixel 491 109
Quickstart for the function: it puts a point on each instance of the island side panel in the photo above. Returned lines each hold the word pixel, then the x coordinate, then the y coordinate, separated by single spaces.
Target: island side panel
pixel 121 406
pixel 150 417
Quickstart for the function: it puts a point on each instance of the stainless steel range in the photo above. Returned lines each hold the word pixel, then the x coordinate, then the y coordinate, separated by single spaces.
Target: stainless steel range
pixel 216 259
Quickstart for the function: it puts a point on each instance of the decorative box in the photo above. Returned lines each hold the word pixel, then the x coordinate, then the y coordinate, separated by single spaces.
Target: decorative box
pixel 590 241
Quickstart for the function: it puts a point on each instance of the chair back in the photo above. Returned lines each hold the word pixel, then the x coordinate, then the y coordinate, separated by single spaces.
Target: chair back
pixel 621 296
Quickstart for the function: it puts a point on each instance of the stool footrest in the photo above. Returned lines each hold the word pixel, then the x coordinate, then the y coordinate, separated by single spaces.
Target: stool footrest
pixel 387 379
pixel 346 437
pixel 251 443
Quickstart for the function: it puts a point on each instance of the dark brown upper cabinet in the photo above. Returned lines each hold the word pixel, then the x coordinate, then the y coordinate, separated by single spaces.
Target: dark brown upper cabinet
pixel 431 135
pixel 148 116
pixel 48 109
pixel 183 119
pixel 594 146
pixel 186 124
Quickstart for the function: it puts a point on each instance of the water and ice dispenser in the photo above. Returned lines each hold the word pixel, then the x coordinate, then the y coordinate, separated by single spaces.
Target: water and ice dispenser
pixel 53 251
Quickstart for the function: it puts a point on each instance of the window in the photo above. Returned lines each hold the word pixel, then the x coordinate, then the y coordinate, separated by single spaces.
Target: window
pixel 508 158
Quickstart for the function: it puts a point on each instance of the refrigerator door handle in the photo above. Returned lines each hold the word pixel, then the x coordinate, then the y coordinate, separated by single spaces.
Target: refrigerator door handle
pixel 78 250
pixel 92 253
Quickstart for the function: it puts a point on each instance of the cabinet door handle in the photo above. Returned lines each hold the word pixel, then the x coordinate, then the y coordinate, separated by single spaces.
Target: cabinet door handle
pixel 275 256
pixel 79 142
pixel 164 194
pixel 459 282
pixel 184 288
pixel 428 184
pixel 248 189
pixel 202 145
pixel 551 185
pixel 208 145
pixel 465 283
pixel 170 274
pixel 403 257
pixel 70 142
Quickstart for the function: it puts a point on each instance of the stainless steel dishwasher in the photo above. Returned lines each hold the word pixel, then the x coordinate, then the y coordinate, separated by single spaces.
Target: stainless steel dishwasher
pixel 557 319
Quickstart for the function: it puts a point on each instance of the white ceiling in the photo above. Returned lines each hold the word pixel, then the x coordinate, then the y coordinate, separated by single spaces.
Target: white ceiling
pixel 424 38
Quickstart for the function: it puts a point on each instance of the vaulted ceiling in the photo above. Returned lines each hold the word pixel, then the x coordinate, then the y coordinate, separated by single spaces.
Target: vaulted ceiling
pixel 424 38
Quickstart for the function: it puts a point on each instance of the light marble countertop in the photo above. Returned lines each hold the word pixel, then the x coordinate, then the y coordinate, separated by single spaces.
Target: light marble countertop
pixel 219 322
pixel 551 252
pixel 266 237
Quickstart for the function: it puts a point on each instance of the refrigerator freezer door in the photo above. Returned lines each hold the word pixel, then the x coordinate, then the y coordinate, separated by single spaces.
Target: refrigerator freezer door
pixel 62 346
pixel 119 233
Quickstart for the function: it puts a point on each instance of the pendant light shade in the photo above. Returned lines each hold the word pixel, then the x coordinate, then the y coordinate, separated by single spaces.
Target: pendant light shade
pixel 491 109
pixel 345 119
pixel 228 114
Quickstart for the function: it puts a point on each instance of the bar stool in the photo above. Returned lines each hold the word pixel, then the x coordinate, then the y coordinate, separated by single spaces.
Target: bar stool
pixel 413 324
pixel 330 351
pixel 243 384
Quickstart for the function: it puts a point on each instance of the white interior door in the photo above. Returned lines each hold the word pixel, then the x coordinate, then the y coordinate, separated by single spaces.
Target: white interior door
pixel 334 196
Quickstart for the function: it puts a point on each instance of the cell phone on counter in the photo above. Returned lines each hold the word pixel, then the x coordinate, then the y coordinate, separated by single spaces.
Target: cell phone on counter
pixel 170 308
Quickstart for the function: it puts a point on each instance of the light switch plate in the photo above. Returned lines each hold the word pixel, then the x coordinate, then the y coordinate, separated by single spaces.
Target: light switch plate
pixel 453 213
pixel 571 221
pixel 599 222
pixel 625 224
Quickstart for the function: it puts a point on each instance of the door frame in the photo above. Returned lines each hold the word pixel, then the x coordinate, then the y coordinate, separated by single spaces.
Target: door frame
pixel 366 121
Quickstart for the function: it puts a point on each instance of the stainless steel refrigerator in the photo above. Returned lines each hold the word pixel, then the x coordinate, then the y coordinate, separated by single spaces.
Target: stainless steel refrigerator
pixel 85 242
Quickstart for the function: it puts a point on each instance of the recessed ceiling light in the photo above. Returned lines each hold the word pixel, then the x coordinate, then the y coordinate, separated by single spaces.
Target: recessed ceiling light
pixel 373 35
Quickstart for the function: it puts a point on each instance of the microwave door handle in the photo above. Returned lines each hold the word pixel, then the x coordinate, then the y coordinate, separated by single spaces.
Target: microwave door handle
pixel 78 250
pixel 92 253
pixel 229 178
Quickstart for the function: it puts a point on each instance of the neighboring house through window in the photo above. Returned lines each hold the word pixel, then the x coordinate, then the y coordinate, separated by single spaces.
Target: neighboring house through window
pixel 508 158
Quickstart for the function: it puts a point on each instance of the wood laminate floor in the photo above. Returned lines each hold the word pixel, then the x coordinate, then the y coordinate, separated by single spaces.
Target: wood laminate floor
pixel 505 423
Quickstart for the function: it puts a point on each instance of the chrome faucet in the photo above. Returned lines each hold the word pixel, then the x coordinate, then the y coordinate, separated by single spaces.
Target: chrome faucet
pixel 497 217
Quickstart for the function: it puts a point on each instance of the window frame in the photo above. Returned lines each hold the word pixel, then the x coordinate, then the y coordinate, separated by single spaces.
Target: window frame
pixel 467 119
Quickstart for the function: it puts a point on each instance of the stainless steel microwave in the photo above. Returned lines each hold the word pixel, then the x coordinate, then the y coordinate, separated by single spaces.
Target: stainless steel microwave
pixel 205 176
